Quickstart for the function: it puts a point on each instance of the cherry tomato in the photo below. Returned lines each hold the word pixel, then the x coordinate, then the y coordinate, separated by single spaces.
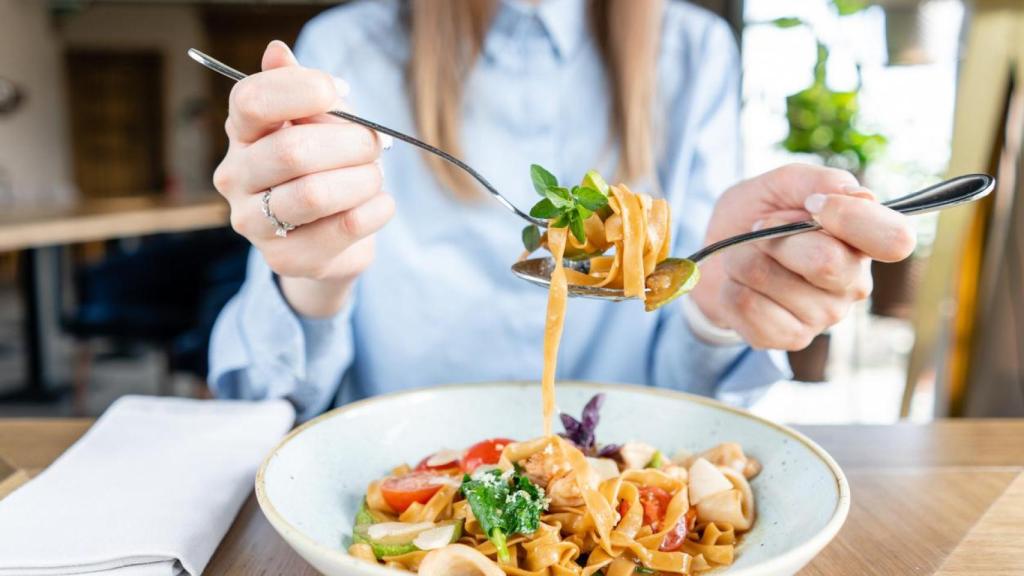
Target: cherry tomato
pixel 655 502
pixel 486 452
pixel 452 464
pixel 401 491
pixel 674 539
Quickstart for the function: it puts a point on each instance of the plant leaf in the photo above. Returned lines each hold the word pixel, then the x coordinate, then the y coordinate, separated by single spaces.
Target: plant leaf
pixel 576 226
pixel 542 179
pixel 559 196
pixel 562 221
pixel 531 237
pixel 590 198
pixel 788 22
pixel 848 7
pixel 592 411
pixel 582 432
pixel 545 209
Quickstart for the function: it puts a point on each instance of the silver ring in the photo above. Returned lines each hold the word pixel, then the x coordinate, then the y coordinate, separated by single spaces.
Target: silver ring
pixel 281 228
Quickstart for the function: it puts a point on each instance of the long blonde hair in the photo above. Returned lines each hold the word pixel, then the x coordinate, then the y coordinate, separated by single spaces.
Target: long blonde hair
pixel 446 38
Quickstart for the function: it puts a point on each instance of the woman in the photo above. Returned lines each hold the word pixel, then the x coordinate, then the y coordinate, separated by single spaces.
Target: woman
pixel 363 298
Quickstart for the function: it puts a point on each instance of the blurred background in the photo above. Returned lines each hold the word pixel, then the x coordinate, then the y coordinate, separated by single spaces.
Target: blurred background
pixel 115 256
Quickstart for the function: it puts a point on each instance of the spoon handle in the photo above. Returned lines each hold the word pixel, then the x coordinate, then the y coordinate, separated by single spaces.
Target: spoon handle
pixel 225 70
pixel 953 192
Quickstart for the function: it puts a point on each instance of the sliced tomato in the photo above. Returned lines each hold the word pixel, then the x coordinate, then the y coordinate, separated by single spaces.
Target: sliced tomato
pixel 486 452
pixel 674 539
pixel 655 502
pixel 446 465
pixel 401 491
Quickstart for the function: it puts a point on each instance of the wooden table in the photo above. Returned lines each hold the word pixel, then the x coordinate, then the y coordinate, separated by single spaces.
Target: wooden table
pixel 40 231
pixel 109 218
pixel 922 499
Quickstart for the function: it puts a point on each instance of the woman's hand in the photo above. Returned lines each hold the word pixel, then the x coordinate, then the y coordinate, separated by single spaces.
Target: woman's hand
pixel 781 293
pixel 323 175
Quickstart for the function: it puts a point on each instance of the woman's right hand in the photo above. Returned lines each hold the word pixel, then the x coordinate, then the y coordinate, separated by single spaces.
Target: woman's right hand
pixel 324 177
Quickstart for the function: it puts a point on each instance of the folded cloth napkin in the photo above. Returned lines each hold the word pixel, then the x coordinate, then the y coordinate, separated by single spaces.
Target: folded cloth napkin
pixel 150 489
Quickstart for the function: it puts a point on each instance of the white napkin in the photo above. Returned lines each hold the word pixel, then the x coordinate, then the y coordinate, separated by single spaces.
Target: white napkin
pixel 150 489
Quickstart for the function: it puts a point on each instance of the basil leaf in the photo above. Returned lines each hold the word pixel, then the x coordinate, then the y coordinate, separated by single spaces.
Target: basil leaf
pixel 545 209
pixel 583 212
pixel 559 196
pixel 590 198
pixel 576 226
pixel 531 237
pixel 562 221
pixel 542 179
pixel 581 432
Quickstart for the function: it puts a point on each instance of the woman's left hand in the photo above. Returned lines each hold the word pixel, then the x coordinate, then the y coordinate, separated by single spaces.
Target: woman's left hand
pixel 781 293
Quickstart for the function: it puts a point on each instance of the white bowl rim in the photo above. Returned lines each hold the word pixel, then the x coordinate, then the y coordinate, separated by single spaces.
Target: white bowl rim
pixel 816 542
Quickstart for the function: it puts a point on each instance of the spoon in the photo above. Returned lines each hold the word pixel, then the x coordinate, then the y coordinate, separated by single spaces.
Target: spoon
pixel 679 275
pixel 224 69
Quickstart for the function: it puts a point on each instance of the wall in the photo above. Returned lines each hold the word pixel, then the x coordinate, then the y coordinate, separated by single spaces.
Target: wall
pixel 172 30
pixel 34 154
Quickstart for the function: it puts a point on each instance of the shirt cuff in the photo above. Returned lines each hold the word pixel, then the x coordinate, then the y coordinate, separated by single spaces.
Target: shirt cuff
pixel 734 373
pixel 262 349
pixel 704 329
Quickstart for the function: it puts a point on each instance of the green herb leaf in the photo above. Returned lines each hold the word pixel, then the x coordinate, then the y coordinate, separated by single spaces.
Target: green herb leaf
pixel 531 238
pixel 590 198
pixel 562 221
pixel 503 508
pixel 594 180
pixel 545 209
pixel 542 179
pixel 583 212
pixel 576 226
pixel 657 460
pixel 559 196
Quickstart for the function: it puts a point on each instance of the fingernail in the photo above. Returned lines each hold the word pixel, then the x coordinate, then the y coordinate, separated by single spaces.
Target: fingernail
pixel 341 86
pixel 282 44
pixel 757 226
pixel 386 141
pixel 815 203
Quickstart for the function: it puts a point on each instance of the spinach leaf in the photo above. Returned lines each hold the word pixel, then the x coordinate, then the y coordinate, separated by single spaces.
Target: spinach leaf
pixel 504 504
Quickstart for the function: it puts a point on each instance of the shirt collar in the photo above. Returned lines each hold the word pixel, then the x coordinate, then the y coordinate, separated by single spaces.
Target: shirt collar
pixel 564 22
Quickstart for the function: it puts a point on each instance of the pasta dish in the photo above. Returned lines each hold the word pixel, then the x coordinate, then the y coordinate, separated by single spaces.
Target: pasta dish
pixel 564 504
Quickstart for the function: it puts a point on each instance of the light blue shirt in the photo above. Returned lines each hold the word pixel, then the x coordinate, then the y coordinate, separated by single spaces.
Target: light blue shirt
pixel 439 304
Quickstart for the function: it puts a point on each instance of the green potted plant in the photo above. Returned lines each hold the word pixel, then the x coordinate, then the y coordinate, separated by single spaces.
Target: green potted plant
pixel 823 122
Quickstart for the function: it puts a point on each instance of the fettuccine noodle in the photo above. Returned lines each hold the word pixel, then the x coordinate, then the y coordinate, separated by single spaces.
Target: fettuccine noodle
pixel 639 231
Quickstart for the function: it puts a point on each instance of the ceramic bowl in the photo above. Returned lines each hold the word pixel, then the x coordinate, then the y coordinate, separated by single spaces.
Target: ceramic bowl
pixel 312 483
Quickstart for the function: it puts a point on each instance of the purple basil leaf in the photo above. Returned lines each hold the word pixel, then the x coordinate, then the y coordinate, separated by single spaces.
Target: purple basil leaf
pixel 571 425
pixel 609 451
pixel 582 433
pixel 592 412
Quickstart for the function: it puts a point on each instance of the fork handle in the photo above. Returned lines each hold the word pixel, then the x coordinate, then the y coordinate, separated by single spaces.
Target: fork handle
pixel 953 192
pixel 225 70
